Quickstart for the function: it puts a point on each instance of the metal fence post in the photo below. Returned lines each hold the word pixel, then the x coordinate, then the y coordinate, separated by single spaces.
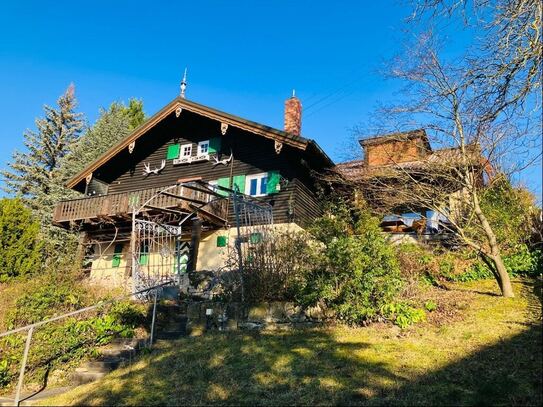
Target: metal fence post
pixel 23 366
pixel 153 320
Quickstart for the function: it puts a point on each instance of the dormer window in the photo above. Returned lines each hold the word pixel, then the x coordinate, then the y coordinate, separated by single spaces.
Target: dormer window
pixel 203 147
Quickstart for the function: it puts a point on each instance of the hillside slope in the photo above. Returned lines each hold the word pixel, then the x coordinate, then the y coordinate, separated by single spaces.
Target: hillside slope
pixel 490 355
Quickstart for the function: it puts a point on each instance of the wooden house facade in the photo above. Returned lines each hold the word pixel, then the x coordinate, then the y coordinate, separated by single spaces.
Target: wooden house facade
pixel 191 151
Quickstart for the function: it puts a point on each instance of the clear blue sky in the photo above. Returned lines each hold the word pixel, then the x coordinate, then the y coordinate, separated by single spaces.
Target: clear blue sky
pixel 244 57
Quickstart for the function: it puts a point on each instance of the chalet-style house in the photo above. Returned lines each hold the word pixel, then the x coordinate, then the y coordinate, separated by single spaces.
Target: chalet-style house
pixel 174 175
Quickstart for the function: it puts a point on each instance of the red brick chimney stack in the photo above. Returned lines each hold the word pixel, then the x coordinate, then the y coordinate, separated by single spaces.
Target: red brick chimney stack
pixel 293 115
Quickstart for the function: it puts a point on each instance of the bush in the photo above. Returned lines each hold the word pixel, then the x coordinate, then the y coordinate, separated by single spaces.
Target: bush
pixel 20 248
pixel 521 262
pixel 353 270
pixel 403 314
pixel 66 341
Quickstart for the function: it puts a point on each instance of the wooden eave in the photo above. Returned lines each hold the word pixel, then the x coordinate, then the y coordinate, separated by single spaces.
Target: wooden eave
pixel 253 127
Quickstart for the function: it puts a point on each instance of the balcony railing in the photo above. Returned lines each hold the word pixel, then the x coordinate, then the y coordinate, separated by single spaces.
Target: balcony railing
pixel 184 197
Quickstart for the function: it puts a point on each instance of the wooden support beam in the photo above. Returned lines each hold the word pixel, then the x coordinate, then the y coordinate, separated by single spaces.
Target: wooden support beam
pixel 157 208
pixel 184 198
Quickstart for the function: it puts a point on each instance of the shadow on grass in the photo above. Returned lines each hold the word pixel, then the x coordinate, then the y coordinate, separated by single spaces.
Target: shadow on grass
pixel 314 367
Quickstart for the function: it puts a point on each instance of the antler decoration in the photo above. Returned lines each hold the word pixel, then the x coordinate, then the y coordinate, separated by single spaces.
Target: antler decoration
pixel 224 161
pixel 148 171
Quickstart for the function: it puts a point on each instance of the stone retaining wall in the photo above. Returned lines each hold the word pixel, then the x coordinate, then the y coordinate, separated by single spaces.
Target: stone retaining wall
pixel 207 315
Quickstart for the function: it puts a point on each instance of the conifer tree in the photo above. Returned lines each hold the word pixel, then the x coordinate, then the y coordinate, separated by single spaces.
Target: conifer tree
pixel 112 126
pixel 34 175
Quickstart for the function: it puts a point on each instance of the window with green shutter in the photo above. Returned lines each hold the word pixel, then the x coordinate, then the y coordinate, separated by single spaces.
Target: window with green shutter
pixel 225 183
pixel 255 238
pixel 173 151
pixel 222 241
pixel 239 183
pixel 144 254
pixel 272 186
pixel 214 145
pixel 117 252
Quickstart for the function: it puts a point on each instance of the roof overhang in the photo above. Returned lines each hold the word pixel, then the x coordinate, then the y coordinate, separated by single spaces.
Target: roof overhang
pixel 184 104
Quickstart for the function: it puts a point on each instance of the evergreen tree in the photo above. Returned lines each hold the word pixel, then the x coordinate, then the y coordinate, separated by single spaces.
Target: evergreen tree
pixel 20 248
pixel 34 175
pixel 112 126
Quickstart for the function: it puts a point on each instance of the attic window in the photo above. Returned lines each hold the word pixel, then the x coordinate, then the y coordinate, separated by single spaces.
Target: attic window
pixel 186 150
pixel 203 147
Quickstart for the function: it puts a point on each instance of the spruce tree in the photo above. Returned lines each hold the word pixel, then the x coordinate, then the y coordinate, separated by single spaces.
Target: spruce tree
pixel 34 175
pixel 113 125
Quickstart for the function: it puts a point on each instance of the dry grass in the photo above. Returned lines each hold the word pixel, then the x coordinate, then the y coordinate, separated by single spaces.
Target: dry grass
pixel 491 356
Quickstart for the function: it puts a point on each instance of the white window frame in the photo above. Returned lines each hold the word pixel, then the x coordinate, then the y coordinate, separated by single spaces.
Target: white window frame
pixel 258 177
pixel 200 144
pixel 182 151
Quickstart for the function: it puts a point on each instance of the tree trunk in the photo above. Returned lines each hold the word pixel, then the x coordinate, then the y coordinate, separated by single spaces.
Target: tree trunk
pixel 501 275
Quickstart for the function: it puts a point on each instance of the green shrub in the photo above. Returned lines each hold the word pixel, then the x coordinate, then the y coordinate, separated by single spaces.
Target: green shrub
pixel 430 305
pixel 45 298
pixel 403 314
pixel 521 262
pixel 353 270
pixel 20 247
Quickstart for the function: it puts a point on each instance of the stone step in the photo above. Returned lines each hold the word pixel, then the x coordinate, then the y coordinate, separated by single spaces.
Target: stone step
pixel 170 335
pixel 86 377
pixel 124 352
pixel 105 365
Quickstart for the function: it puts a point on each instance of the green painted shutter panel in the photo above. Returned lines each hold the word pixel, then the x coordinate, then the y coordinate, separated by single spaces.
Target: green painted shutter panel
pixel 255 238
pixel 272 185
pixel 225 183
pixel 239 181
pixel 144 254
pixel 173 151
pixel 214 145
pixel 116 262
pixel 222 241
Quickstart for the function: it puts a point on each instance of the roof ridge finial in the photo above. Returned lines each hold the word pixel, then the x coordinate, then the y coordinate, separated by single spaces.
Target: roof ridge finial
pixel 183 84
pixel 293 93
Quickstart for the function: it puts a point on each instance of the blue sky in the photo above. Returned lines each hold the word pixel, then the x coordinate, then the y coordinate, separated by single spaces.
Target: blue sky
pixel 244 57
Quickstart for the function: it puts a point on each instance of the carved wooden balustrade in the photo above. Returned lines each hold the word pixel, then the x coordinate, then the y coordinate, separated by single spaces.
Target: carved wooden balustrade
pixel 180 198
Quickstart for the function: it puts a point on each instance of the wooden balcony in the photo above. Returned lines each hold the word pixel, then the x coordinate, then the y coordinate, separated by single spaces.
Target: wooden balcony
pixel 177 199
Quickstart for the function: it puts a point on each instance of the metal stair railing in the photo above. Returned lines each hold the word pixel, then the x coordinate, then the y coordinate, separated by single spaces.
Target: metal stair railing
pixel 30 328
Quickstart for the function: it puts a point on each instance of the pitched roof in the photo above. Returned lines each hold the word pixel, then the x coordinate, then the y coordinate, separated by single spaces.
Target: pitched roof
pixel 446 156
pixel 400 136
pixel 235 121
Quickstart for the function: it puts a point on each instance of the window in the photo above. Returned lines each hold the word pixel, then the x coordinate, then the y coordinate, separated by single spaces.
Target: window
pixel 117 252
pixel 256 185
pixel 186 150
pixel 203 147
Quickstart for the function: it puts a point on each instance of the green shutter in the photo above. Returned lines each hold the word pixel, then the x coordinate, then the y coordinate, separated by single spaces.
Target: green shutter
pixel 272 186
pixel 173 151
pixel 214 145
pixel 144 254
pixel 225 183
pixel 239 181
pixel 222 241
pixel 255 238
pixel 116 262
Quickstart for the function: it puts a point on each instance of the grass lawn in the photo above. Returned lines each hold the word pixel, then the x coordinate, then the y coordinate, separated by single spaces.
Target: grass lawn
pixel 488 353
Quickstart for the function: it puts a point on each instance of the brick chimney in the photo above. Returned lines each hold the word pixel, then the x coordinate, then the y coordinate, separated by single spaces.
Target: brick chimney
pixel 293 115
